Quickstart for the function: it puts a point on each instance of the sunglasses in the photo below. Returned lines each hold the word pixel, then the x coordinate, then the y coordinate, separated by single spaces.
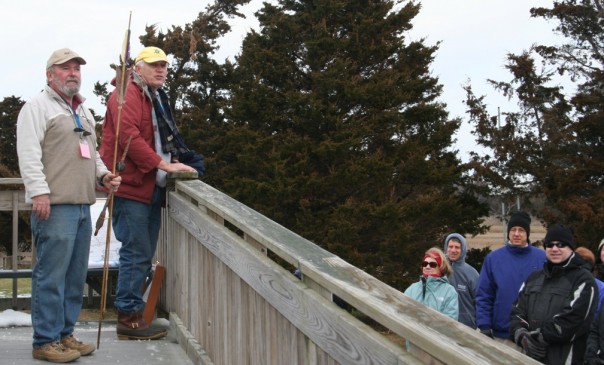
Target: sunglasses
pixel 431 264
pixel 557 244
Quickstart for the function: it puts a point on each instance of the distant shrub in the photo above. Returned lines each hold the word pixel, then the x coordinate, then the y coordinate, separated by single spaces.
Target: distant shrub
pixel 475 256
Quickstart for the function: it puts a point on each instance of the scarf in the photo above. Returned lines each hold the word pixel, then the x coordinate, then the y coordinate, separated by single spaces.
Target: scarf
pixel 171 140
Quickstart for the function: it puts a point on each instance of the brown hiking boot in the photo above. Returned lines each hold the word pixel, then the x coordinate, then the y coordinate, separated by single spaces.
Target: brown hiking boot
pixel 55 352
pixel 71 342
pixel 134 327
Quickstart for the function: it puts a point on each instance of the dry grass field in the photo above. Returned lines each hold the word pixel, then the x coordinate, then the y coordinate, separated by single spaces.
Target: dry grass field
pixel 495 236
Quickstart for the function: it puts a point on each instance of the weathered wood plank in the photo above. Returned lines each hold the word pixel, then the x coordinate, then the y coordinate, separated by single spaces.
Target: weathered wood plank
pixel 334 330
pixel 258 355
pixel 441 337
pixel 6 200
pixel 11 181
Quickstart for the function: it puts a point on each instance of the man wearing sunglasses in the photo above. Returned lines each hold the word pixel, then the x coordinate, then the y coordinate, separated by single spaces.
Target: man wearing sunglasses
pixel 550 319
pixel 60 168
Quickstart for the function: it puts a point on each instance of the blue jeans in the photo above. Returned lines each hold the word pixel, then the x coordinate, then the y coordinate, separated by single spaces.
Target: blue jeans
pixel 62 247
pixel 136 226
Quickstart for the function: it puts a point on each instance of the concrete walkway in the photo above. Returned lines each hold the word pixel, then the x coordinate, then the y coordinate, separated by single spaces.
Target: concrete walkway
pixel 15 347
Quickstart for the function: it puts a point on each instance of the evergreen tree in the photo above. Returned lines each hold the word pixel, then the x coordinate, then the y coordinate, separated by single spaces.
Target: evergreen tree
pixel 550 151
pixel 9 167
pixel 9 111
pixel 335 131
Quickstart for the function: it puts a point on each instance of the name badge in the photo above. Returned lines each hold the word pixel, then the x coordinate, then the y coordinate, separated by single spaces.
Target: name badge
pixel 84 150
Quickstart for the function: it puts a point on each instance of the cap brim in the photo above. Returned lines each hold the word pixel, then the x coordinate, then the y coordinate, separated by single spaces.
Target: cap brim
pixel 80 60
pixel 154 59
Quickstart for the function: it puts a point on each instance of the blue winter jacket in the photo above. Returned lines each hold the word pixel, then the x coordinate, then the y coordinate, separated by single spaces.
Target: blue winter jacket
pixel 502 274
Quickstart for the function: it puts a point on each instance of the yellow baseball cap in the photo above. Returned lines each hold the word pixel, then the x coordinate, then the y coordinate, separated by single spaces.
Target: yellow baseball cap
pixel 151 54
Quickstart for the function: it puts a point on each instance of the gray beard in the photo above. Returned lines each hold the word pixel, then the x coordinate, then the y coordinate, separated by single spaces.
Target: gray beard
pixel 70 91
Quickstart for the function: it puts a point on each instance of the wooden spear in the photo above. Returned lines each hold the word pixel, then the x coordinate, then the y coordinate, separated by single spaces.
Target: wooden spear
pixel 121 82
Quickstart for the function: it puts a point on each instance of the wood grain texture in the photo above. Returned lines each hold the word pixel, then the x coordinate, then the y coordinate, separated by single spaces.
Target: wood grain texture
pixel 284 317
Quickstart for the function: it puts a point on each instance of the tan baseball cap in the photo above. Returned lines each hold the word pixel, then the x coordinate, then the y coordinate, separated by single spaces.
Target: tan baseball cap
pixel 63 55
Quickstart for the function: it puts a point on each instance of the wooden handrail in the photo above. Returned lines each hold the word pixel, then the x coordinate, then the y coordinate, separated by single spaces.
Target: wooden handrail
pixel 250 245
pixel 229 269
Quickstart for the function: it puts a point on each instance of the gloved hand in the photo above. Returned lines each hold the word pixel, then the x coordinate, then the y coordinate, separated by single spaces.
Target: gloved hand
pixel 519 335
pixel 534 345
pixel 487 332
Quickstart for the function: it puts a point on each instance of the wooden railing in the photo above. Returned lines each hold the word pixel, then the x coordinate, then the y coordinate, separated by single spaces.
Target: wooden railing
pixel 229 281
pixel 229 284
pixel 12 199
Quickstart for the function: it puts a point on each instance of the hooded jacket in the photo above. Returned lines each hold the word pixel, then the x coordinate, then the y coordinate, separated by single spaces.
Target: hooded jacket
pixel 560 300
pixel 503 272
pixel 436 293
pixel 464 279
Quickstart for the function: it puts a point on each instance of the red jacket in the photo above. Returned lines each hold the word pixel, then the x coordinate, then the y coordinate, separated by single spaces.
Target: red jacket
pixel 138 177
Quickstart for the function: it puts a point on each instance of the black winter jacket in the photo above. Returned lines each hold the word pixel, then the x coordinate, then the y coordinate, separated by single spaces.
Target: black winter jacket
pixel 560 300
pixel 595 341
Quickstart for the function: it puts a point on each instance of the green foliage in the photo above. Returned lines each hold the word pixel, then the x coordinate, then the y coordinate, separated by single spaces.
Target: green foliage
pixel 329 123
pixel 9 167
pixel 9 111
pixel 551 151
pixel 475 257
pixel 335 132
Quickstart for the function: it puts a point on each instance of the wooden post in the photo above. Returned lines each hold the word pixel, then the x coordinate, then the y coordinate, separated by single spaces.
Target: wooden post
pixel 156 282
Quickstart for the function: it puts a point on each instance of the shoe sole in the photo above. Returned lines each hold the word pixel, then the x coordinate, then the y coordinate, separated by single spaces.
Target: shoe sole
pixel 86 353
pixel 83 353
pixel 46 358
pixel 131 337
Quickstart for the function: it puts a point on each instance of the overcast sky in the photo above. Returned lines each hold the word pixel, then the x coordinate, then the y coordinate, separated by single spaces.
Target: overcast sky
pixel 475 36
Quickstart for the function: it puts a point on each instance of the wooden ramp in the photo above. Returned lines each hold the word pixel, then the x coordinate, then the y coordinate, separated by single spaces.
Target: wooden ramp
pixel 15 347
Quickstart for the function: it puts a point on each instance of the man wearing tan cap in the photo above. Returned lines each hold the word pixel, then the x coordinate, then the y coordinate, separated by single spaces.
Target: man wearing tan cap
pixel 60 167
pixel 147 127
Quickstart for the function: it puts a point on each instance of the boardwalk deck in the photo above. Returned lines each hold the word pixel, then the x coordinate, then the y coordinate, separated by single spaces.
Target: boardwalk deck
pixel 15 347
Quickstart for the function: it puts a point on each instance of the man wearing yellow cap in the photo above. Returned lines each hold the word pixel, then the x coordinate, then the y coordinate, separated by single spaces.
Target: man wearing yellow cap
pixel 147 122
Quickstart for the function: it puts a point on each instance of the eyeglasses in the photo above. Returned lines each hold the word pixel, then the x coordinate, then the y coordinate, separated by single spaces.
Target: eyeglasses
pixel 557 244
pixel 431 264
pixel 84 132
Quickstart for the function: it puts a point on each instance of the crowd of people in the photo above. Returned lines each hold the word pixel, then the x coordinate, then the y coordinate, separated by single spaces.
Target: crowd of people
pixel 542 302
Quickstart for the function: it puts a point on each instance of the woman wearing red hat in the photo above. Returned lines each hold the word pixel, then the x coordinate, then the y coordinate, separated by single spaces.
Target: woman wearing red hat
pixel 433 288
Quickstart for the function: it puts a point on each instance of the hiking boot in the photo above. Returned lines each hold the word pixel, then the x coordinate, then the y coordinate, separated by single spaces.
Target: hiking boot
pixel 134 327
pixel 55 352
pixel 73 343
